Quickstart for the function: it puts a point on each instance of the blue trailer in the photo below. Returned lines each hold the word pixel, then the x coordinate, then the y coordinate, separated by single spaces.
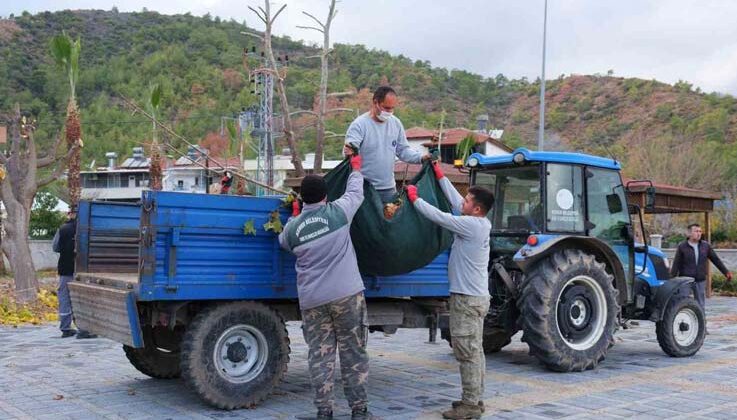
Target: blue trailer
pixel 179 281
pixel 191 289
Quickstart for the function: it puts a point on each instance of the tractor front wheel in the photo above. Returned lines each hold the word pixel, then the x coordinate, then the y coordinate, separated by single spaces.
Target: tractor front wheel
pixel 682 330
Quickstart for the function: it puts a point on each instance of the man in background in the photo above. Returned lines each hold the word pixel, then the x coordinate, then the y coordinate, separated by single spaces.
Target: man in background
pixel 63 243
pixel 692 260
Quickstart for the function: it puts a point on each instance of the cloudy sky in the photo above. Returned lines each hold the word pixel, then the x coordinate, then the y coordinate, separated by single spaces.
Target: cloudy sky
pixel 667 40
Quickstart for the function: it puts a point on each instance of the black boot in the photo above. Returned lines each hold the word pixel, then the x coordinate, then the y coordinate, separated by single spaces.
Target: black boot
pixel 361 413
pixel 324 414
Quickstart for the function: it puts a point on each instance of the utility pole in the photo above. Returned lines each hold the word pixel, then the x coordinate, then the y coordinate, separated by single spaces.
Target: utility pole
pixel 541 133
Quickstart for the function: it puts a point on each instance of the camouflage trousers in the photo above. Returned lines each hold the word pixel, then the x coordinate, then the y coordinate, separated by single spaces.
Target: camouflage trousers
pixel 467 334
pixel 342 325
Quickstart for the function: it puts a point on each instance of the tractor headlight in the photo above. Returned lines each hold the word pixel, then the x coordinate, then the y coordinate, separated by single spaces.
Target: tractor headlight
pixel 473 162
pixel 518 158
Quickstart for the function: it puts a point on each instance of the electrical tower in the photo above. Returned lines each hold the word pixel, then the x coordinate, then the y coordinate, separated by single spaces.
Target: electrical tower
pixel 267 126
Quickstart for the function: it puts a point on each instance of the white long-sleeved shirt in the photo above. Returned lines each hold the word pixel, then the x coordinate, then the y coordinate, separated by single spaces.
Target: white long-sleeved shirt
pixel 469 255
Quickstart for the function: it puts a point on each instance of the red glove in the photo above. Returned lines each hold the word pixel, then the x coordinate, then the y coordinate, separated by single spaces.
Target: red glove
pixel 412 193
pixel 729 276
pixel 295 208
pixel 438 170
pixel 356 162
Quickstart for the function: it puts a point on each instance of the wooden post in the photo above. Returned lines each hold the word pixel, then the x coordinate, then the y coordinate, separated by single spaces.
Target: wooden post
pixel 707 234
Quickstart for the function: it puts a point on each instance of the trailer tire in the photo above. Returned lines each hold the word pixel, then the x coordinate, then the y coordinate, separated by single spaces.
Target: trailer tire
pixel 675 332
pixel 154 361
pixel 568 311
pixel 234 354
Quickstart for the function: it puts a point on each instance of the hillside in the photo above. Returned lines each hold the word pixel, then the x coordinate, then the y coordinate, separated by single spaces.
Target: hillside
pixel 198 61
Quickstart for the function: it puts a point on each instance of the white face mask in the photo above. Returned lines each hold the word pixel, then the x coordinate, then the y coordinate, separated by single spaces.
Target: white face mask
pixel 384 115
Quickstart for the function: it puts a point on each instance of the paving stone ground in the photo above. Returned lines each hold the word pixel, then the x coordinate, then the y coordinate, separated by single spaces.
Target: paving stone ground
pixel 46 377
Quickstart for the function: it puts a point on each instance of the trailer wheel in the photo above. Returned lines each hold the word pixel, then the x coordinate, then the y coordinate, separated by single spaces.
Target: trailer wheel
pixel 153 360
pixel 682 330
pixel 234 354
pixel 569 309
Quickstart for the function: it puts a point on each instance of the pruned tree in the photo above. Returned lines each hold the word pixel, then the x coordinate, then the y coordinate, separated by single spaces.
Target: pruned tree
pixel 66 54
pixel 324 29
pixel 18 189
pixel 264 14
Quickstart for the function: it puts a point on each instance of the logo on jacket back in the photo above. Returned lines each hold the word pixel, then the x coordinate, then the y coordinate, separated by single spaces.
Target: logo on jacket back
pixel 312 227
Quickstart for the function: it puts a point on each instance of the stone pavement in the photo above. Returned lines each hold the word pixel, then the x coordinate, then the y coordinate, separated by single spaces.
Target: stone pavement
pixel 45 377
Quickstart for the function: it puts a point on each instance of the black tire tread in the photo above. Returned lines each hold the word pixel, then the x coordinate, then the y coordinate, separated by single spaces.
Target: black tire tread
pixel 149 363
pixel 195 375
pixel 664 328
pixel 535 301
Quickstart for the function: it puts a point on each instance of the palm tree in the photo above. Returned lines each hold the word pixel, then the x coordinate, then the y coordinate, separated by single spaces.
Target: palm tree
pixel 465 147
pixel 155 166
pixel 66 54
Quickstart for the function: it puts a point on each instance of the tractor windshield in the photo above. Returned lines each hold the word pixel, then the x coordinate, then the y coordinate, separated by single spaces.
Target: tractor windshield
pixel 517 207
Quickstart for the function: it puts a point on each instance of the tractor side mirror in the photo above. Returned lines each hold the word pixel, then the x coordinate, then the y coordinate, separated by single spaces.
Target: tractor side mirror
pixel 650 198
pixel 613 203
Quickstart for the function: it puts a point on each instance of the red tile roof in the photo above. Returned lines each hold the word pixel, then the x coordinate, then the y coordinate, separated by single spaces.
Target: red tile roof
pixel 453 136
pixel 419 133
pixel 454 175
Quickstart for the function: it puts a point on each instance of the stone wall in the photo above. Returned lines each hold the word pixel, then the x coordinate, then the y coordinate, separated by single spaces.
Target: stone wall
pixel 44 258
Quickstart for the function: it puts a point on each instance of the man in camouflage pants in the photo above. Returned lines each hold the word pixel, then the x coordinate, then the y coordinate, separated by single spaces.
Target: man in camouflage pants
pixel 468 284
pixel 330 290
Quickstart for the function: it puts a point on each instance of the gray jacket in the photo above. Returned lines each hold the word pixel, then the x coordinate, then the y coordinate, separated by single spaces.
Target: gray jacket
pixel 379 144
pixel 469 255
pixel 320 237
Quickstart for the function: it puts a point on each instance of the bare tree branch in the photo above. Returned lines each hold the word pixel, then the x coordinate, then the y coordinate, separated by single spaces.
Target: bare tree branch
pixel 303 111
pixel 314 29
pixel 58 170
pixel 258 14
pixel 339 94
pixel 51 158
pixel 314 18
pixel 339 110
pixel 253 35
pixel 277 13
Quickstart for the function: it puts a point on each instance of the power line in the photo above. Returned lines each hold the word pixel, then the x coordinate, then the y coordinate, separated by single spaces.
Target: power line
pixel 102 122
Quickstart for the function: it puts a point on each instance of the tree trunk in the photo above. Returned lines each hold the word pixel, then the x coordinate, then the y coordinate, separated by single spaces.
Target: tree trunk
pixel 281 90
pixel 323 94
pixel 73 136
pixel 16 247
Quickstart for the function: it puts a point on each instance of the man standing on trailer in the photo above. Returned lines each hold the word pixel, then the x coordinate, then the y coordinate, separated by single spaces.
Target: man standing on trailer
pixel 380 137
pixel 330 290
pixel 468 281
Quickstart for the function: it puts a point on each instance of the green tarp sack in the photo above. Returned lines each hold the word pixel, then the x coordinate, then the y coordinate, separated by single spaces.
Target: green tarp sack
pixel 404 243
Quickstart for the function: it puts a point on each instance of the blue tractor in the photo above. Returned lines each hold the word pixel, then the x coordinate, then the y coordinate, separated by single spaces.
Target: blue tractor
pixel 566 267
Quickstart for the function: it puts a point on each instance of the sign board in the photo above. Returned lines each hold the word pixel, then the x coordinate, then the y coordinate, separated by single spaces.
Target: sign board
pixel 3 134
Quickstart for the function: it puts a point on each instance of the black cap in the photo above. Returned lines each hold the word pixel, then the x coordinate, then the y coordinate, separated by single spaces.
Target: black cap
pixel 313 189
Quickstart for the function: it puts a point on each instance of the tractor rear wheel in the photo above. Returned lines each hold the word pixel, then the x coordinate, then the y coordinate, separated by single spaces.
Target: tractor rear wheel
pixel 568 311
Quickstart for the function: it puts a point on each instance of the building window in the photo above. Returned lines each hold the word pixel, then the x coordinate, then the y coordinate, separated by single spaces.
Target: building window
pixel 180 184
